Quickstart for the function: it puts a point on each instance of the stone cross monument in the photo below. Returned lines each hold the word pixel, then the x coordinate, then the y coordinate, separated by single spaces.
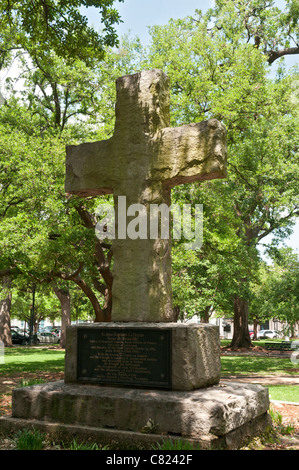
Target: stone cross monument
pixel 142 161
pixel 151 377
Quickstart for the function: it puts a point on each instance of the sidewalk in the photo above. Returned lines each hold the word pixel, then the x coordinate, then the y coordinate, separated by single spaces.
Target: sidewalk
pixel 262 379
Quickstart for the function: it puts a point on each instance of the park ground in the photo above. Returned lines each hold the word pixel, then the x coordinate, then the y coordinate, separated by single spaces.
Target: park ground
pixel 26 366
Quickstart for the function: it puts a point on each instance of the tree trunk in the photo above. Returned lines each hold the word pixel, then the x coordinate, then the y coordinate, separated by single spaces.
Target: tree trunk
pixel 100 314
pixel 103 265
pixel 5 304
pixel 176 313
pixel 64 298
pixel 241 337
pixel 205 317
pixel 255 323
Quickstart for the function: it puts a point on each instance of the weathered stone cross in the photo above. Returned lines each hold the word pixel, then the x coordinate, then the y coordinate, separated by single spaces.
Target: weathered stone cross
pixel 143 160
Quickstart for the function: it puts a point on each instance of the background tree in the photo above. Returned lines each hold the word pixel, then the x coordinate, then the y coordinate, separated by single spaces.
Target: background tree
pixel 40 26
pixel 46 304
pixel 5 306
pixel 218 70
pixel 277 293
pixel 45 235
pixel 219 67
pixel 26 162
pixel 204 281
pixel 260 23
pixel 63 295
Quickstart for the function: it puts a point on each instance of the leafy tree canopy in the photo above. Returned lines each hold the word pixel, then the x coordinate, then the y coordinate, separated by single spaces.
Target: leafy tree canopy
pixel 276 293
pixel 43 25
pixel 219 65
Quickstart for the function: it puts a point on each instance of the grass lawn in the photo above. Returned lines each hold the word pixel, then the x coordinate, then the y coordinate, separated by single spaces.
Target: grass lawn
pixel 22 360
pixel 259 365
pixel 284 393
pixel 27 359
pixel 262 366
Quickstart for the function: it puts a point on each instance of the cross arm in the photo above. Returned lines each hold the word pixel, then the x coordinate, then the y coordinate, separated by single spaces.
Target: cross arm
pixel 194 152
pixel 90 169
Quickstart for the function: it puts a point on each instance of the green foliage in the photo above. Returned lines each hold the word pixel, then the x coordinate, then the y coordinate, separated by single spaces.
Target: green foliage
pixel 29 382
pixel 178 444
pixel 217 70
pixel 29 170
pixel 277 421
pixel 84 446
pixel 206 280
pixel 259 23
pixel 29 440
pixel 41 26
pixel 275 294
pixel 46 304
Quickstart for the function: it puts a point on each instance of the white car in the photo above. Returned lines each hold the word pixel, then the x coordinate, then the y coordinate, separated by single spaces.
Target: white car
pixel 267 334
pixel 47 337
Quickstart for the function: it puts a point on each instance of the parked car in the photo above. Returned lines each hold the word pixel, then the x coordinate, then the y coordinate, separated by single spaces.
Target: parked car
pixel 46 329
pixel 57 333
pixel 15 328
pixel 251 333
pixel 46 337
pixel 19 338
pixel 56 329
pixel 267 334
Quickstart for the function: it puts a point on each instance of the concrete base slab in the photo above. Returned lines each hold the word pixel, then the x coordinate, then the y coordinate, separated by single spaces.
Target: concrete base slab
pixel 117 439
pixel 223 415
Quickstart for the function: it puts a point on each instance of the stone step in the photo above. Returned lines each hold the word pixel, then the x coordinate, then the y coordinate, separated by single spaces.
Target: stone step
pixel 204 415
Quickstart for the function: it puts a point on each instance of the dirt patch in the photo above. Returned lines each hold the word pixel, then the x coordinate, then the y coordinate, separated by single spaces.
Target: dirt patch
pixel 252 348
pixel 253 351
pixel 11 381
pixel 289 413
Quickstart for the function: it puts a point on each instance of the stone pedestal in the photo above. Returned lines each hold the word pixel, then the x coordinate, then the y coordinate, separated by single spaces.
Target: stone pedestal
pixel 196 406
pixel 144 355
pixel 220 416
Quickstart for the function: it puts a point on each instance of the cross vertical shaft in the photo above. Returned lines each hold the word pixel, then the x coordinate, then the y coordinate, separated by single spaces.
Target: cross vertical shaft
pixel 142 161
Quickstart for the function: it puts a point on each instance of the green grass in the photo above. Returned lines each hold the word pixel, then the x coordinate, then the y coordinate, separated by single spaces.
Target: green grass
pixel 176 445
pixel 29 440
pixel 83 446
pixel 247 365
pixel 284 393
pixel 24 359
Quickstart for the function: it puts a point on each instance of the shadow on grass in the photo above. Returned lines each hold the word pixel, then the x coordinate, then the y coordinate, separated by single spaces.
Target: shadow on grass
pixel 257 365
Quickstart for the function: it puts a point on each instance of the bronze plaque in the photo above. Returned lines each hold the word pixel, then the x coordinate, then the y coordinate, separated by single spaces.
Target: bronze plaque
pixel 136 357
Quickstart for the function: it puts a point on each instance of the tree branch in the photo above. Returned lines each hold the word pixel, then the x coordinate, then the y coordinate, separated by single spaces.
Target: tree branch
pixel 274 55
pixel 6 272
pixel 277 224
pixel 86 217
